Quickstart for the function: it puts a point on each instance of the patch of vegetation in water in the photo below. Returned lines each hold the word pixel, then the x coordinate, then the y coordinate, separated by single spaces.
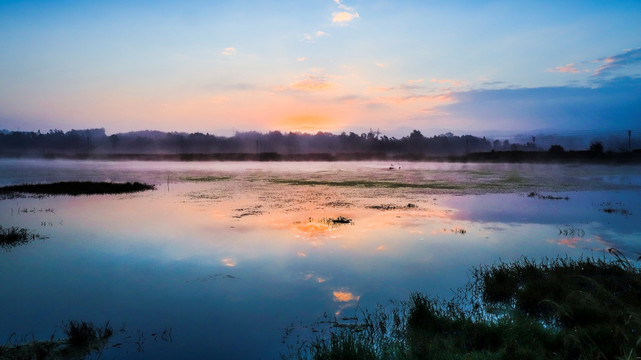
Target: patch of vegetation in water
pixel 534 194
pixel 205 178
pixel 392 207
pixel 75 188
pixel 550 309
pixel 369 184
pixel 617 208
pixel 82 340
pixel 16 236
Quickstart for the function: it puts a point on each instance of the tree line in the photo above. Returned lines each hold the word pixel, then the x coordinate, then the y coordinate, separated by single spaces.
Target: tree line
pixel 96 141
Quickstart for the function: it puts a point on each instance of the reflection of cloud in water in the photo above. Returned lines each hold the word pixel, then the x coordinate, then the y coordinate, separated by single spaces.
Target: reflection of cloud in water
pixel 346 299
pixel 345 296
pixel 228 262
pixel 312 229
pixel 569 242
pixel 318 279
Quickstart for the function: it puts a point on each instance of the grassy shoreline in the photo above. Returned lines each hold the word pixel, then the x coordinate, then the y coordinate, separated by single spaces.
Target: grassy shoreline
pixel 549 309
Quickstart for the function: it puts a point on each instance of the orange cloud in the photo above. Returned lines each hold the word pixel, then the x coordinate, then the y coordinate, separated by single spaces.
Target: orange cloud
pixel 345 296
pixel 569 68
pixel 571 243
pixel 447 81
pixel 313 83
pixel 413 98
pixel 309 123
pixel 228 262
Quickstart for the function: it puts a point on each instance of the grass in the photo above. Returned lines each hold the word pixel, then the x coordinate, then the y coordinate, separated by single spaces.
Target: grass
pixel 83 339
pixel 15 236
pixel 550 309
pixel 75 188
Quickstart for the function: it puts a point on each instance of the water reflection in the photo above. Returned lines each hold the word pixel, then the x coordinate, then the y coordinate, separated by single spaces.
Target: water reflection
pixel 234 258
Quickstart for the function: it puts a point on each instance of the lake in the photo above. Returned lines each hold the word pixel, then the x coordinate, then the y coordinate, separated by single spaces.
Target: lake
pixel 226 258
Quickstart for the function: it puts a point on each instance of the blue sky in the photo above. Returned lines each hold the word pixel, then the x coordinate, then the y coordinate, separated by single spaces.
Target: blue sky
pixel 331 65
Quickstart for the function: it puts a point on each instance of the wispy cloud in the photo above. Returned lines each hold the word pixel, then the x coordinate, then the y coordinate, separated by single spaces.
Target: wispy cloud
pixel 346 15
pixel 569 68
pixel 443 99
pixel 301 59
pixel 616 62
pixel 229 51
pixel 314 81
pixel 606 65
pixel 448 81
pixel 219 99
pixel 315 35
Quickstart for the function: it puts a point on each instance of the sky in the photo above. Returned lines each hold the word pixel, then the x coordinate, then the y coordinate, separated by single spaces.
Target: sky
pixel 467 67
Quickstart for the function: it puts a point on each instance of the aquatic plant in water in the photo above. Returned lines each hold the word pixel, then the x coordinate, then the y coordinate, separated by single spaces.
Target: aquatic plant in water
pixel 15 236
pixel 550 309
pixel 75 188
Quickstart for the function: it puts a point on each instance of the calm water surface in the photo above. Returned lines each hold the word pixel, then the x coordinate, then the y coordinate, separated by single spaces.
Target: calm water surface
pixel 229 255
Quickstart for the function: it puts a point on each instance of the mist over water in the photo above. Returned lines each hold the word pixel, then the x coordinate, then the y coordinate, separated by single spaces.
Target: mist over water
pixel 228 255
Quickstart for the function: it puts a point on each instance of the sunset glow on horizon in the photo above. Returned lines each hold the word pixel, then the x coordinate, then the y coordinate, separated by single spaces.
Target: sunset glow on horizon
pixel 320 65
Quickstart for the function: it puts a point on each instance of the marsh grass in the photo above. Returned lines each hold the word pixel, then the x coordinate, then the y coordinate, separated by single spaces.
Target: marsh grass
pixel 208 178
pixel 534 194
pixel 550 309
pixel 616 208
pixel 392 207
pixel 15 236
pixel 82 340
pixel 74 188
pixel 370 184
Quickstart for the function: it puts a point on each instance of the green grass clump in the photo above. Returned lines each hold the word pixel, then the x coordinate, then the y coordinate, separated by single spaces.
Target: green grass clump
pixel 550 309
pixel 75 188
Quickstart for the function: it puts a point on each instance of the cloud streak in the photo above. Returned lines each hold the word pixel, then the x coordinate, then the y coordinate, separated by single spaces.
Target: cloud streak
pixel 608 64
pixel 230 51
pixel 346 14
pixel 616 62
pixel 569 68
pixel 606 103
